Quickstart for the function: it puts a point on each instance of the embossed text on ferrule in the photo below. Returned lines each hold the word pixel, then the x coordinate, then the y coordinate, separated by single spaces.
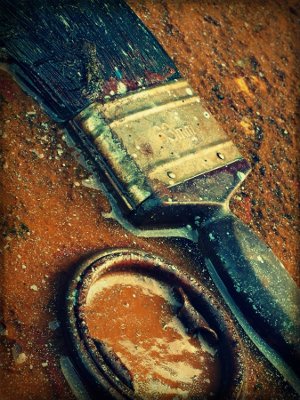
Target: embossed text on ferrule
pixel 176 134
pixel 153 132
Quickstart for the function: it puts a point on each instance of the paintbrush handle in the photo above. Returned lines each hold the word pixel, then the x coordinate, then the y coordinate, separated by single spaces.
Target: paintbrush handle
pixel 257 281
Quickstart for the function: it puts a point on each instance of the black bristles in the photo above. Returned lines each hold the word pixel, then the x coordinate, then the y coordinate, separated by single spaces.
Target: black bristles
pixel 71 53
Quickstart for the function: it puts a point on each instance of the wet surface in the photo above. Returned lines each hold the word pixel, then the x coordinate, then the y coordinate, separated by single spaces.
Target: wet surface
pixel 241 59
pixel 149 338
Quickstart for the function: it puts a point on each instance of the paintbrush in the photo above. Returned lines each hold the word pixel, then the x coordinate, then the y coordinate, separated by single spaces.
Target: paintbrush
pixel 94 66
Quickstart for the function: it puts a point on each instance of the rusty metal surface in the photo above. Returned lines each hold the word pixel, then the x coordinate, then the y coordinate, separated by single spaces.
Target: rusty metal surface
pixel 241 59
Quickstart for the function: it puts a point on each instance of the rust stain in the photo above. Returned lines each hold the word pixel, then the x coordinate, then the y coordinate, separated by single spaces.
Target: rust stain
pixel 146 149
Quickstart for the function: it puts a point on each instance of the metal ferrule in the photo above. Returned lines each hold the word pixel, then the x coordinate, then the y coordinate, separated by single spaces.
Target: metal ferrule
pixel 154 139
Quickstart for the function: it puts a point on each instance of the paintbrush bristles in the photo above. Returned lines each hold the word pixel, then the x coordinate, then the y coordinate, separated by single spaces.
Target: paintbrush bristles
pixel 69 54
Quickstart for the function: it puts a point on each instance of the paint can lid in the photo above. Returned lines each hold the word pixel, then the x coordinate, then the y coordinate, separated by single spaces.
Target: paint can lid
pixel 139 327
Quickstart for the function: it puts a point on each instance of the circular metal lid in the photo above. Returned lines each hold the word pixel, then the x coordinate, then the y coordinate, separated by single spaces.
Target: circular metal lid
pixel 142 329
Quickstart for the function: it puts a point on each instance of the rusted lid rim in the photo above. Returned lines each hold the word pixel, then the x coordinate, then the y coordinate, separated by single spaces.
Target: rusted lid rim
pixel 93 367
